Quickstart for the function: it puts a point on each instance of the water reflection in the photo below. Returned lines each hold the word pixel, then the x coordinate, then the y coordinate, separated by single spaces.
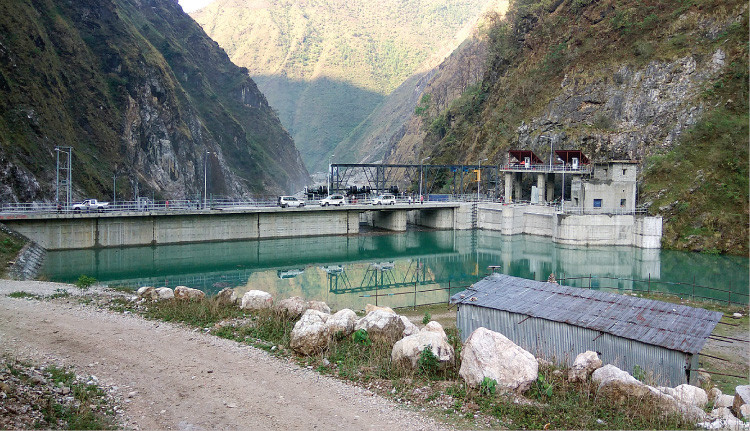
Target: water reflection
pixel 397 269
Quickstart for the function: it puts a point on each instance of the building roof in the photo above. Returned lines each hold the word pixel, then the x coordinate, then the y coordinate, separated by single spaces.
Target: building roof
pixel 521 154
pixel 567 156
pixel 673 326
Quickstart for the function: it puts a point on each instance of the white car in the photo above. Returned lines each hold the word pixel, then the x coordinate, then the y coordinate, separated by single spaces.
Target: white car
pixel 384 200
pixel 90 205
pixel 337 200
pixel 290 201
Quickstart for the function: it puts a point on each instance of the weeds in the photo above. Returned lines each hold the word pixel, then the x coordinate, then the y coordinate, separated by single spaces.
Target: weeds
pixel 84 282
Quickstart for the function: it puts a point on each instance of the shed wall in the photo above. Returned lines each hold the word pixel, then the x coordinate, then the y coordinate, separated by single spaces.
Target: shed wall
pixel 561 343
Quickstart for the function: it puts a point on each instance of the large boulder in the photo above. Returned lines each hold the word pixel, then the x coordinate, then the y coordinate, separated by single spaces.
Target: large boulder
pixel 609 372
pixel 319 305
pixel 369 308
pixel 310 333
pixel 148 293
pixel 382 325
pixel 409 327
pixel 741 404
pixel 691 395
pixel 293 307
pixel 164 293
pixel 227 296
pixel 408 350
pixel 585 364
pixel 490 354
pixel 256 300
pixel 184 292
pixel 341 324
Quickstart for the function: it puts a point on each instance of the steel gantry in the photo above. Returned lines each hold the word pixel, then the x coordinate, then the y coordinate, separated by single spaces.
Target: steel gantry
pixel 382 178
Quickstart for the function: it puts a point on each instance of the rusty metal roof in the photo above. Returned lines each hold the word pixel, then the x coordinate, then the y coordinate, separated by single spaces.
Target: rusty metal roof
pixel 673 326
pixel 521 154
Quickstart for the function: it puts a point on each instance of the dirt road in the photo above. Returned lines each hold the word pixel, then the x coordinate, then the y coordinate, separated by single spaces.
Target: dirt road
pixel 183 379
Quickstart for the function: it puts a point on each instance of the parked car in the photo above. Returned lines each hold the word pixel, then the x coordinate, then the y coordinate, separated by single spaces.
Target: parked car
pixel 384 200
pixel 290 201
pixel 90 205
pixel 337 200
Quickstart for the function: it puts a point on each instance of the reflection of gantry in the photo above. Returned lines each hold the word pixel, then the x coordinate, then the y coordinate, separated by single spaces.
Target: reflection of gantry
pixel 381 275
pixel 382 177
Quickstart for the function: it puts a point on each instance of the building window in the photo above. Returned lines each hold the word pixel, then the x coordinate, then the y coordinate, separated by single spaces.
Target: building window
pixel 622 202
pixel 597 203
pixel 624 171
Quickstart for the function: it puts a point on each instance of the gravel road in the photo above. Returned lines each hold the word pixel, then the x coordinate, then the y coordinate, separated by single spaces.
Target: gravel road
pixel 180 379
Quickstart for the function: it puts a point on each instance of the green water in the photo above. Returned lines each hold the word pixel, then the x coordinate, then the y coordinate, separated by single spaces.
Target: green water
pixel 351 271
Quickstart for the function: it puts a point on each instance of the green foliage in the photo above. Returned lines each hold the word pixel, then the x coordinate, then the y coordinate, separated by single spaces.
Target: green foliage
pixel 361 337
pixel 9 248
pixel 423 106
pixel 20 294
pixel 198 313
pixel 426 318
pixel 428 364
pixel 488 387
pixel 639 373
pixel 84 281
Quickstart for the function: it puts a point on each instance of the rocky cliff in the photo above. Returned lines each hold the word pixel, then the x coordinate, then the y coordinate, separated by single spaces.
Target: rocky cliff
pixel 139 91
pixel 664 83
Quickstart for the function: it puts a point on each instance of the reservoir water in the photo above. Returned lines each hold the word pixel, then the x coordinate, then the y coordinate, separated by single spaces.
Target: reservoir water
pixel 401 269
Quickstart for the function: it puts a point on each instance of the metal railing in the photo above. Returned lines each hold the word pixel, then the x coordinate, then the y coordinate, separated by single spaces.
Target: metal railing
pixel 542 168
pixel 648 286
pixel 605 211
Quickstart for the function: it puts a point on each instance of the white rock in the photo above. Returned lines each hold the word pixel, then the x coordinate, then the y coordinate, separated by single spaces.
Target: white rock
pixel 724 401
pixel 745 412
pixel 370 307
pixel 256 300
pixel 227 296
pixel 722 412
pixel 341 323
pixel 490 354
pixel 609 372
pixel 725 423
pixel 381 324
pixel 409 327
pixel 148 292
pixel 319 305
pixel 691 395
pixel 737 315
pixel 714 394
pixel 310 333
pixel 741 398
pixel 292 307
pixel 585 364
pixel 184 292
pixel 408 349
pixel 165 293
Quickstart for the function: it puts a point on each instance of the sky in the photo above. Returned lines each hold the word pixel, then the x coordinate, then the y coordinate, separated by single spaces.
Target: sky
pixel 193 5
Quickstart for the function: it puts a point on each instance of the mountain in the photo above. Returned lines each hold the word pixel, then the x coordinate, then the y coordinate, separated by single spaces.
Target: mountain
pixel 661 82
pixel 325 65
pixel 139 91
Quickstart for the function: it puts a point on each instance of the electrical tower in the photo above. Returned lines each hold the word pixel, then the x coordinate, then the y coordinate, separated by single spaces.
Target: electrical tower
pixel 64 176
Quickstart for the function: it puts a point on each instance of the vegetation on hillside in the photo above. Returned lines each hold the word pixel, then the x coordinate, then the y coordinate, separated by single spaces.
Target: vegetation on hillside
pixel 700 182
pixel 10 245
pixel 138 90
pixel 349 54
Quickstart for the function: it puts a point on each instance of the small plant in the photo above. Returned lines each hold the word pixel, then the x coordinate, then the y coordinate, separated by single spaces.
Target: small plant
pixel 427 317
pixel 361 337
pixel 428 364
pixel 542 388
pixel 19 294
pixel 639 373
pixel 84 281
pixel 488 387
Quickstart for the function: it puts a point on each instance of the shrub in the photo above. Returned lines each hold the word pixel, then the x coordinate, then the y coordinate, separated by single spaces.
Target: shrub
pixel 361 337
pixel 428 364
pixel 427 317
pixel 84 281
pixel 488 387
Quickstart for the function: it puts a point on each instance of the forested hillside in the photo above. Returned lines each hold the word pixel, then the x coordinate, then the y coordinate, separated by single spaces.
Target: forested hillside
pixel 326 64
pixel 139 91
pixel 662 82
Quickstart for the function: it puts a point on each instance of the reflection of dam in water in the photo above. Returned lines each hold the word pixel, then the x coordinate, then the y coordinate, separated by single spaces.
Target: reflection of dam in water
pixel 342 269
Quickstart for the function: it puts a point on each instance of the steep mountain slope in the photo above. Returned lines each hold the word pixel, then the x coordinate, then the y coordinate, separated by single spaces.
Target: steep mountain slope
pixel 326 64
pixel 138 90
pixel 663 82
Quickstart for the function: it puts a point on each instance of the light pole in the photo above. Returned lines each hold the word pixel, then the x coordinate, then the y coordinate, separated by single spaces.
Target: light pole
pixel 329 175
pixel 421 162
pixel 479 177
pixel 551 152
pixel 114 189
pixel 205 178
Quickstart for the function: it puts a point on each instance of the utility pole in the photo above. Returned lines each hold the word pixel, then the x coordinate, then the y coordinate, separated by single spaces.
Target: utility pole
pixel 421 162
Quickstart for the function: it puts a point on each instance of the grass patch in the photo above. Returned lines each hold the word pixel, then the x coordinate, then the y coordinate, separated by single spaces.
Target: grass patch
pixel 9 248
pixel 19 294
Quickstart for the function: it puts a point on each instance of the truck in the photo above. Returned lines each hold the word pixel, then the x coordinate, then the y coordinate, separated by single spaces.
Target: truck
pixel 90 205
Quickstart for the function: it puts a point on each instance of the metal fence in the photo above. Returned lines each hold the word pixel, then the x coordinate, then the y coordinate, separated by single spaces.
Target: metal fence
pixel 648 286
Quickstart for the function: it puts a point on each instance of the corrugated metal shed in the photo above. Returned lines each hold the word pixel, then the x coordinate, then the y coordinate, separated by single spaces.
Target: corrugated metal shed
pixel 672 326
